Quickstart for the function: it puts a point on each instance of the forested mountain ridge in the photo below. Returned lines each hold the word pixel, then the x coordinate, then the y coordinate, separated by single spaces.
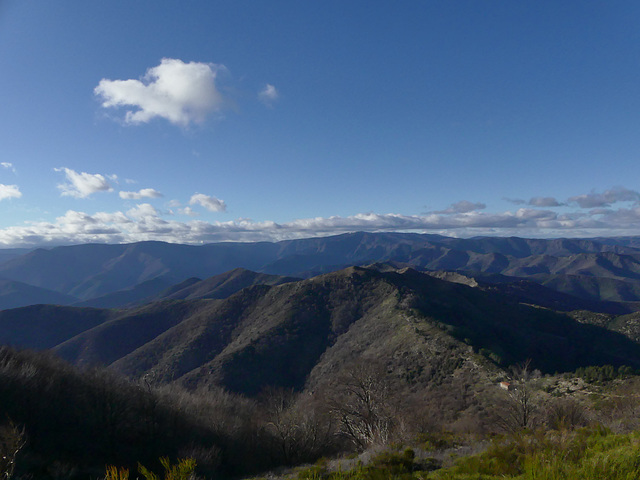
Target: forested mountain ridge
pixel 290 335
pixel 119 275
pixel 218 286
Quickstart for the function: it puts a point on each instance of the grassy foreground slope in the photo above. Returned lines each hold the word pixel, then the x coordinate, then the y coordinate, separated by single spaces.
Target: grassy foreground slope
pixel 586 454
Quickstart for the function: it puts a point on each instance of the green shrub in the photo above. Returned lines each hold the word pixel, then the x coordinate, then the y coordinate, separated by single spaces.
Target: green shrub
pixel 437 441
pixel 586 454
pixel 394 462
pixel 115 473
pixel 183 470
pixel 316 471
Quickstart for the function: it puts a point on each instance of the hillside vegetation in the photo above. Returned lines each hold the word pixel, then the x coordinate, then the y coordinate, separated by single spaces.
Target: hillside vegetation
pixel 390 371
pixel 292 335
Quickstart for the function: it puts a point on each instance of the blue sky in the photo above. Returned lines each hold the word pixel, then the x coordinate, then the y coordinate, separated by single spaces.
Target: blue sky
pixel 199 121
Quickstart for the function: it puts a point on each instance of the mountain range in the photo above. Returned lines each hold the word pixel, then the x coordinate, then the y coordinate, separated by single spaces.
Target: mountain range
pixel 295 314
pixel 428 325
pixel 302 333
pixel 125 275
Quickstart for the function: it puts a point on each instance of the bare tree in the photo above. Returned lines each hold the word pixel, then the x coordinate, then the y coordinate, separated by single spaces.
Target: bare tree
pixel 519 408
pixel 300 430
pixel 362 404
pixel 12 440
pixel 566 414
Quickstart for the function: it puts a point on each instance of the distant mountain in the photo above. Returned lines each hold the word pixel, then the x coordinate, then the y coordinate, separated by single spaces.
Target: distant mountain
pixel 631 242
pixel 301 333
pixel 17 294
pixel 7 254
pixel 167 292
pixel 529 292
pixel 93 273
pixel 592 287
pixel 525 247
pixel 129 296
pixel 219 286
pixel 43 327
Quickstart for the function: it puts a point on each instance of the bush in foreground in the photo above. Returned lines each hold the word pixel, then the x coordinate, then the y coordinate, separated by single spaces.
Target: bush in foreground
pixel 588 454
pixel 182 470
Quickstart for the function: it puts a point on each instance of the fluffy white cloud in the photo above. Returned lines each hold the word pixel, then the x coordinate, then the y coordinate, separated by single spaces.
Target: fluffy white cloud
pixel 76 218
pixel 180 92
pixel 117 218
pixel 81 185
pixel 143 211
pixel 9 191
pixel 212 204
pixel 268 94
pixel 188 211
pixel 144 222
pixel 144 193
pixel 463 206
pixel 531 214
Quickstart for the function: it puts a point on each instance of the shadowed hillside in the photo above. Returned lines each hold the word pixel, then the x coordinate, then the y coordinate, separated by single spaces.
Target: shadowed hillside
pixel 45 326
pixel 15 294
pixel 219 286
pixel 288 335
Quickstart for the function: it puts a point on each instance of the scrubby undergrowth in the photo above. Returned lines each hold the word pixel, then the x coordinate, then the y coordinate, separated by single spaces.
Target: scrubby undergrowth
pixel 588 454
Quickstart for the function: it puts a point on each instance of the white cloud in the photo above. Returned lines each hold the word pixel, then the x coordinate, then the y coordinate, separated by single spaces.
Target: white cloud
pixel 76 218
pixel 144 193
pixel 9 191
pixel 144 222
pixel 268 95
pixel 210 203
pixel 81 185
pixel 182 93
pixel 117 218
pixel 8 166
pixel 531 214
pixel 188 211
pixel 143 211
